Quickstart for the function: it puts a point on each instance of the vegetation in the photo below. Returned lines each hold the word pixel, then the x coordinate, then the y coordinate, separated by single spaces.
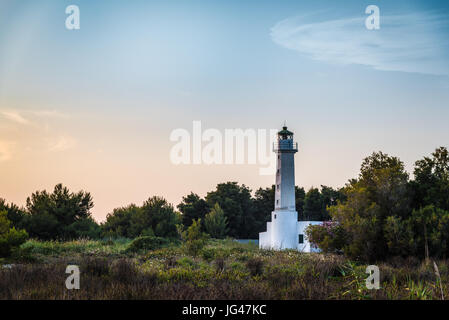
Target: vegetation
pixel 192 207
pixel 223 269
pixel 10 238
pixel 66 215
pixel 382 217
pixel 147 243
pixel 215 223
pixel 385 214
pixel 156 217
pixel 194 238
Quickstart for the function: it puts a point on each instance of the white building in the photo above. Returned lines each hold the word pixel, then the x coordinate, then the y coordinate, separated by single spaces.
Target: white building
pixel 284 231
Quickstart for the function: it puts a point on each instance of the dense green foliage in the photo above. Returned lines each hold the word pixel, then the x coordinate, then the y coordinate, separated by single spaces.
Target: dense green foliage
pixel 236 202
pixel 58 215
pixel 316 203
pixel 14 214
pixel 384 214
pixel 147 243
pixel 53 215
pixel 431 184
pixel 192 207
pixel 10 238
pixel 215 222
pixel 380 214
pixel 194 238
pixel 156 217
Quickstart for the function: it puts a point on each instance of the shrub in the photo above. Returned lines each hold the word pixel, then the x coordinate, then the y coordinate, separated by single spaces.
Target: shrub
pixel 255 266
pixel 329 236
pixel 194 239
pixel 124 270
pixel 185 262
pixel 147 243
pixel 85 228
pixel 96 266
pixel 170 262
pixel 215 222
pixel 156 217
pixel 10 238
pixel 220 264
pixel 193 247
pixel 208 254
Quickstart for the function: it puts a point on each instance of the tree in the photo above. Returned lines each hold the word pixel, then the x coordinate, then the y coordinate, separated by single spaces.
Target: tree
pixel 263 204
pixel 316 203
pixel 192 207
pixel 15 214
pixel 313 206
pixel 330 197
pixel 430 232
pixel 237 204
pixel 84 228
pixel 157 217
pixel 215 223
pixel 399 236
pixel 10 238
pixel 431 184
pixel 118 223
pixel 194 238
pixel 381 191
pixel 329 236
pixel 300 196
pixel 52 214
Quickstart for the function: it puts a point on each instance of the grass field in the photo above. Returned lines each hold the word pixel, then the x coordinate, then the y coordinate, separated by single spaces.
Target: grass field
pixel 223 269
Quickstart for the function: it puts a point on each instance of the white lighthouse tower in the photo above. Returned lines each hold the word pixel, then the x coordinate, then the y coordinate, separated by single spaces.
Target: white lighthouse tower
pixel 285 231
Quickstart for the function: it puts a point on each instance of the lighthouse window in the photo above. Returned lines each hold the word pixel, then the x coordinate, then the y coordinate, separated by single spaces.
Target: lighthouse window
pixel 277 187
pixel 275 216
pixel 277 201
pixel 301 238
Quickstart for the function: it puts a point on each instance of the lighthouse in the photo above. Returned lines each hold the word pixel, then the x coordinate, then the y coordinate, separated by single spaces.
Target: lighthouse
pixel 284 231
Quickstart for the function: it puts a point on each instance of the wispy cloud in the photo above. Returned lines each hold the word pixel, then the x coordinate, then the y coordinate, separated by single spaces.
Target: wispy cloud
pixel 30 116
pixel 14 116
pixel 409 43
pixel 38 129
pixel 62 143
pixel 49 114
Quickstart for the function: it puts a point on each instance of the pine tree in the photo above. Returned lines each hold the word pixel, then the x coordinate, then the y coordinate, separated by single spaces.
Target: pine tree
pixel 216 222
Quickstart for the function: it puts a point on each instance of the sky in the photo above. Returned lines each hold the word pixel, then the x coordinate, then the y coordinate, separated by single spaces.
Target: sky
pixel 94 108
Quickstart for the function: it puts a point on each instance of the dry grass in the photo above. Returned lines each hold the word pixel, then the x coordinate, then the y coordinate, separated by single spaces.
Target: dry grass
pixel 224 270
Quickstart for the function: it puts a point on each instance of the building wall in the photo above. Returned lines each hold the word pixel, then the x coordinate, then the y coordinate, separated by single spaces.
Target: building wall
pixel 306 246
pixel 283 233
pixel 285 182
pixel 283 229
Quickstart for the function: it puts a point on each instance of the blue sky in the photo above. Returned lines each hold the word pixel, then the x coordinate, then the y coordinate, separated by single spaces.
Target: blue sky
pixel 94 108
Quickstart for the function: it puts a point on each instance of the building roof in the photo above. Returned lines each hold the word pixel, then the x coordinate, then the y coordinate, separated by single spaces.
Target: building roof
pixel 285 132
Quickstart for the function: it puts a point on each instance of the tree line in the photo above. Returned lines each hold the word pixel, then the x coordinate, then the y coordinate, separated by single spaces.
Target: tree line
pixel 381 213
pixel 228 211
